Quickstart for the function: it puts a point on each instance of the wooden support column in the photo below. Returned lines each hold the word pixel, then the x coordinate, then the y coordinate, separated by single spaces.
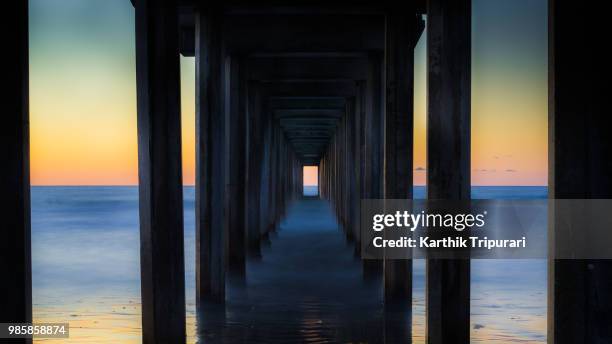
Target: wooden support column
pixel 580 147
pixel 162 265
pixel 448 158
pixel 15 247
pixel 211 159
pixel 399 63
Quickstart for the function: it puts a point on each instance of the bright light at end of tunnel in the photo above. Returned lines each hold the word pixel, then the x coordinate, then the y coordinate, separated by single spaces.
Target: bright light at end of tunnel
pixel 311 180
pixel 311 175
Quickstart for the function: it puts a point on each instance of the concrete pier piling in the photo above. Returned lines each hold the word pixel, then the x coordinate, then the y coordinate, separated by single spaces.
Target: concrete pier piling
pixel 449 33
pixel 160 174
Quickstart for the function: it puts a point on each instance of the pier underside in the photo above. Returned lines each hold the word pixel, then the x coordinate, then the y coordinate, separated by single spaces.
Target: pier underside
pixel 281 86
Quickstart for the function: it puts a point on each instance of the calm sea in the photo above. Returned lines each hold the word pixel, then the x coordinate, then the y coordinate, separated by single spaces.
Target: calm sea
pixel 85 261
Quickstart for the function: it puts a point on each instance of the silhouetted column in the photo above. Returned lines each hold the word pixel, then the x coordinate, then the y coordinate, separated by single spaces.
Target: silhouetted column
pixel 15 256
pixel 357 168
pixel 162 265
pixel 325 176
pixel 211 159
pixel 346 162
pixel 341 171
pixel 273 178
pixel 399 63
pixel 580 148
pixel 448 158
pixel 321 177
pixel 376 125
pixel 351 173
pixel 299 184
pixel 266 162
pixel 271 182
pixel 237 166
pixel 374 146
pixel 255 147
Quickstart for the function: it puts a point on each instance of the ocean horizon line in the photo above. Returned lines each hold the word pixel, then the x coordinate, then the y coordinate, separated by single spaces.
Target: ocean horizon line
pixel 190 185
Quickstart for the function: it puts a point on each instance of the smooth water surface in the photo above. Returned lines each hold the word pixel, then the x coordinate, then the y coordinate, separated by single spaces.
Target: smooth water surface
pixel 307 286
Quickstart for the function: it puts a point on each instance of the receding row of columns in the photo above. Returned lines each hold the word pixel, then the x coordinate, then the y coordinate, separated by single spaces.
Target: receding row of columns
pixel 232 191
pixel 365 136
pixel 370 155
pixel 246 173
pixel 580 305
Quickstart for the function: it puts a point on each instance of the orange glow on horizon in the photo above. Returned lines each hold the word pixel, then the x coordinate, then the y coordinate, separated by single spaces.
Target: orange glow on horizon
pixel 83 128
pixel 311 175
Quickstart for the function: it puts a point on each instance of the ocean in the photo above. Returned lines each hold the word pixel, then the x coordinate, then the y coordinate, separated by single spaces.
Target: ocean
pixel 85 271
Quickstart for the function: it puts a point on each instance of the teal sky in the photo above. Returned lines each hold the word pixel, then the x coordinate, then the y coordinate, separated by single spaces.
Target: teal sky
pixel 83 99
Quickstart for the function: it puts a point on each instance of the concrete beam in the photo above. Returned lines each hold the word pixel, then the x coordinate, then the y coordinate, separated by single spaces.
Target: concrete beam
pixel 270 33
pixel 449 33
pixel 320 103
pixel 314 113
pixel 290 125
pixel 308 68
pixel 285 33
pixel 162 265
pixel 323 121
pixel 308 90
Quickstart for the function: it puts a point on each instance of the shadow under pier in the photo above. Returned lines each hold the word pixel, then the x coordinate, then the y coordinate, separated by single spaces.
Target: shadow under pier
pixel 308 286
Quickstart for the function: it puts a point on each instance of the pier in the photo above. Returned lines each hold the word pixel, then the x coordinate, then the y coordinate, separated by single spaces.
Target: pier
pixel 282 85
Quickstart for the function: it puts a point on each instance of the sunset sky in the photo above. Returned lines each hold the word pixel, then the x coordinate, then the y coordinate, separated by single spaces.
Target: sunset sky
pixel 83 94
